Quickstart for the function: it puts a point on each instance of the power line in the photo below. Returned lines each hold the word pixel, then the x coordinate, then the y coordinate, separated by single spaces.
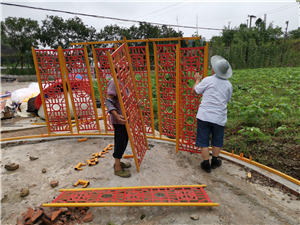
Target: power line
pixel 277 10
pixel 159 10
pixel 173 10
pixel 105 17
pixel 258 14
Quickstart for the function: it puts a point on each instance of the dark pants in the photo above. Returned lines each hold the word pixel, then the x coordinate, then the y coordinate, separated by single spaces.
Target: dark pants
pixel 121 140
pixel 204 129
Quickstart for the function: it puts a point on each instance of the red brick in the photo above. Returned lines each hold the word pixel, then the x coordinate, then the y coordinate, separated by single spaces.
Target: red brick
pixel 88 217
pixel 20 221
pixel 286 188
pixel 37 215
pixel 55 215
pixel 29 214
pixel 64 220
pixel 29 222
pixel 294 192
pixel 46 219
pixel 64 209
pixel 71 209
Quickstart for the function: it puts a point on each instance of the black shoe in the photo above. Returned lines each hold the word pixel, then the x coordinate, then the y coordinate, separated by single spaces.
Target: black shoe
pixel 205 167
pixel 216 163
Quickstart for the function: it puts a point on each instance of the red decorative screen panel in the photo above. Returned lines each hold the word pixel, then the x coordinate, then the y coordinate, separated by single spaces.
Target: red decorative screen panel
pixel 166 61
pixel 139 62
pixel 125 88
pixel 191 62
pixel 151 195
pixel 52 83
pixel 104 77
pixel 78 78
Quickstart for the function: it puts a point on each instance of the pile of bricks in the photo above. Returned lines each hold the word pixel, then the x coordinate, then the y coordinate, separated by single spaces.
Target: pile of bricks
pixel 55 216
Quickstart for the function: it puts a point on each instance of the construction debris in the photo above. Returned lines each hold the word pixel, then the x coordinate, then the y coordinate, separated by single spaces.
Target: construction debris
pixel 81 140
pixel 53 215
pixel 33 157
pixel 24 192
pixel 195 217
pixel 54 183
pixel 84 182
pixel 79 165
pixel 11 166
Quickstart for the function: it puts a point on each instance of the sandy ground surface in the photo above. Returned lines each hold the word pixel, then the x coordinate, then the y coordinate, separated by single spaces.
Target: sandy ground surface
pixel 240 201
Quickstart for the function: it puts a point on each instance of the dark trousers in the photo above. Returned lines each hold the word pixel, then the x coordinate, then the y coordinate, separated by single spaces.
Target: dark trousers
pixel 121 140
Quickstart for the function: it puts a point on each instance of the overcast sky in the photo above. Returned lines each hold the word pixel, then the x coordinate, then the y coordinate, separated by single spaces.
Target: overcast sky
pixel 204 14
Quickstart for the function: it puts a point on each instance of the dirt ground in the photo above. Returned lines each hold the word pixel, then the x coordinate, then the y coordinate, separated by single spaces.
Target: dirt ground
pixel 240 201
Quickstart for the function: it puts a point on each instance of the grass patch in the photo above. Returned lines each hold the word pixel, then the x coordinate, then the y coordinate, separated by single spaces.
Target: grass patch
pixel 263 117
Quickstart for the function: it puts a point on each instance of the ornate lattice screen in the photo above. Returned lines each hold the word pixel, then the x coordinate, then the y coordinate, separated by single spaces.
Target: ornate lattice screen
pixel 80 82
pixel 142 76
pixel 53 91
pixel 103 77
pixel 185 195
pixel 165 56
pixel 191 62
pixel 125 85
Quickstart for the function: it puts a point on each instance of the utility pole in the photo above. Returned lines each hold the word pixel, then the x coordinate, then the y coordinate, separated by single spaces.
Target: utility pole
pixel 229 24
pixel 265 19
pixel 286 29
pixel 251 16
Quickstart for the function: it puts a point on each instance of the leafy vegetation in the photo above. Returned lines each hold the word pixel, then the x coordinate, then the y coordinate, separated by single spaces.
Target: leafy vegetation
pixel 263 117
pixel 260 46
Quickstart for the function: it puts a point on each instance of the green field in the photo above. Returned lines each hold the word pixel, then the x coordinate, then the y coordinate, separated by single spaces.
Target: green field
pixel 264 117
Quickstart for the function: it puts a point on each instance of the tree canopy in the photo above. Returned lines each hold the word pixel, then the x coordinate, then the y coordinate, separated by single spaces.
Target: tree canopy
pixel 55 31
pixel 20 33
pixel 260 33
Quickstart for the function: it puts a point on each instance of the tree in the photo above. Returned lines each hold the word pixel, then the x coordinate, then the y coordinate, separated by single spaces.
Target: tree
pixel 295 34
pixel 228 35
pixel 109 33
pixel 20 33
pixel 57 32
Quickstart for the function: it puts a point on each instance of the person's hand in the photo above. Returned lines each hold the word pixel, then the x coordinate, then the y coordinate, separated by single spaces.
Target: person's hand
pixel 121 119
pixel 198 77
pixel 139 103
